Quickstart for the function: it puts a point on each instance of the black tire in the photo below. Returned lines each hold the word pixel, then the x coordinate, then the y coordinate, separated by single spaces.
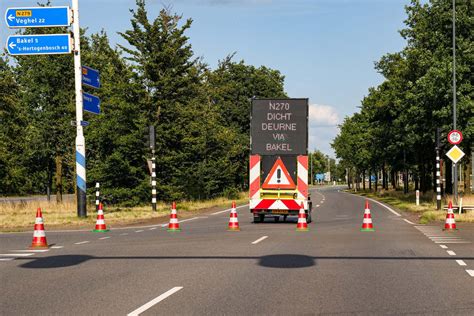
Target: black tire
pixel 256 219
pixel 309 218
pixel 277 219
pixel 262 218
pixel 284 217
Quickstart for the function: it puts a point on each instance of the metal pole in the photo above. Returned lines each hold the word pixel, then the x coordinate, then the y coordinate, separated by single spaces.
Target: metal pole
pixel 153 181
pixel 97 196
pixel 438 170
pixel 80 141
pixel 455 170
pixel 311 167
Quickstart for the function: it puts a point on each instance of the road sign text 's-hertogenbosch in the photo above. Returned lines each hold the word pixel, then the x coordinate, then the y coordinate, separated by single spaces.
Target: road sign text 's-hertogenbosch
pixel 38 17
pixel 91 103
pixel 39 44
pixel 90 77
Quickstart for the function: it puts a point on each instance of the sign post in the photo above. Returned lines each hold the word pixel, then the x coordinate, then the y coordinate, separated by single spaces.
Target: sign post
pixel 80 140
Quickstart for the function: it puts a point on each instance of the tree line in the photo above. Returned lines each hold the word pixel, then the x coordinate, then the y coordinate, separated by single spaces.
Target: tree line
pixel 201 116
pixel 395 130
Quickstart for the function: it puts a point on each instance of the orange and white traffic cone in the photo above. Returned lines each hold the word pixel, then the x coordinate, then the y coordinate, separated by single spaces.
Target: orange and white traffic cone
pixel 450 223
pixel 302 225
pixel 100 223
pixel 173 226
pixel 367 222
pixel 39 235
pixel 233 220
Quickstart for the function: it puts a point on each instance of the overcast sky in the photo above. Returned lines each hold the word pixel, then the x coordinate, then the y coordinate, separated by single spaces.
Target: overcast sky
pixel 325 48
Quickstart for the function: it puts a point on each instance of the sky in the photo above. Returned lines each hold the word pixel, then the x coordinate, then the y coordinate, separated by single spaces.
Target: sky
pixel 326 49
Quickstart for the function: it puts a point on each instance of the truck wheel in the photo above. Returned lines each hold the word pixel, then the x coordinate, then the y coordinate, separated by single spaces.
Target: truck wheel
pixel 262 218
pixel 277 219
pixel 284 218
pixel 256 219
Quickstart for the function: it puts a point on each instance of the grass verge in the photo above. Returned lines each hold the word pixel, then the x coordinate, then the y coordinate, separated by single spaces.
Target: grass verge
pixel 425 212
pixel 20 216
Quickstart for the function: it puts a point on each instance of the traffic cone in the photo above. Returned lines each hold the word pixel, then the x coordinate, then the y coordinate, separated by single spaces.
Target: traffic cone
pixel 302 225
pixel 100 223
pixel 367 222
pixel 173 226
pixel 233 220
pixel 450 223
pixel 39 235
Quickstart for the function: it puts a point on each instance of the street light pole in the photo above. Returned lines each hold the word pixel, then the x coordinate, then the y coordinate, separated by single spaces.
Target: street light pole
pixel 455 169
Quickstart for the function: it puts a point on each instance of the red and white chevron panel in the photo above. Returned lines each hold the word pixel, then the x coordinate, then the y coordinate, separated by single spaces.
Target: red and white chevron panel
pixel 302 177
pixel 254 182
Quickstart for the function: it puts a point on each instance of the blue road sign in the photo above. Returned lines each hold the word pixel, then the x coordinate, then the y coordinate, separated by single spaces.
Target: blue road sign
pixel 84 123
pixel 90 77
pixel 38 17
pixel 91 103
pixel 39 44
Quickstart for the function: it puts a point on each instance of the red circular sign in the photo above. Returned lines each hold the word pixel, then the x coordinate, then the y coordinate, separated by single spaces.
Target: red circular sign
pixel 455 137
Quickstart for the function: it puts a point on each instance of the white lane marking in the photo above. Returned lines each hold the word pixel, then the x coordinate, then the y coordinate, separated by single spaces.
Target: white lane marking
pixel 452 242
pixel 408 221
pixel 153 228
pixel 124 234
pixel 443 246
pixel 154 301
pixel 82 242
pixel 6 259
pixel 139 231
pixel 32 250
pixel 184 220
pixel 259 240
pixel 106 237
pixel 317 205
pixel 451 253
pixel 379 203
pixel 16 254
pixel 470 272
pixel 461 263
pixel 57 247
pixel 228 210
pixel 322 202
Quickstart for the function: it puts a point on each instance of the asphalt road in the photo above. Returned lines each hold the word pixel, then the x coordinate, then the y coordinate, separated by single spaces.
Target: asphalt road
pixel 401 268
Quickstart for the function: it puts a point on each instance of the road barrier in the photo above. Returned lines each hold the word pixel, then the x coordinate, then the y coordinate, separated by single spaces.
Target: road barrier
pixel 302 225
pixel 173 225
pixel 233 219
pixel 450 223
pixel 367 225
pixel 39 235
pixel 100 223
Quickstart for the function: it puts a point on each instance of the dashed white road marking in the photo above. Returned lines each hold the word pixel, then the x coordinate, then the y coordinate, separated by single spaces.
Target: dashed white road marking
pixel 408 221
pixel 461 263
pixel 6 259
pixel 154 301
pixel 82 242
pixel 139 231
pixel 228 210
pixel 32 250
pixel 451 253
pixel 124 234
pixel 470 272
pixel 106 237
pixel 57 247
pixel 16 254
pixel 259 240
pixel 153 228
pixel 452 242
pixel 443 246
pixel 317 205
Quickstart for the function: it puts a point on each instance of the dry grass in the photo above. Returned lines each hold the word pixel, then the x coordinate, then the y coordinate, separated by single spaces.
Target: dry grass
pixel 21 216
pixel 426 211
